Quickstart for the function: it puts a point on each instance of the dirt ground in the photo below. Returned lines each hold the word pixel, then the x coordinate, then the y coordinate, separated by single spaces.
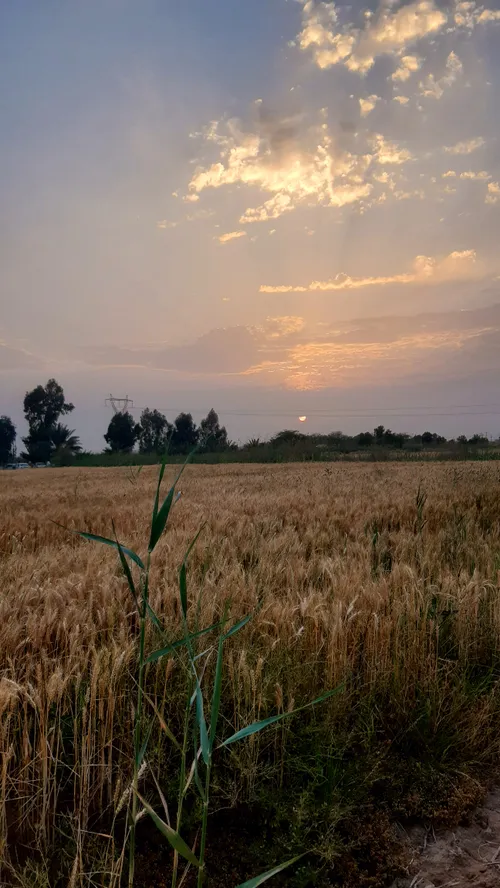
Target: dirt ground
pixel 467 855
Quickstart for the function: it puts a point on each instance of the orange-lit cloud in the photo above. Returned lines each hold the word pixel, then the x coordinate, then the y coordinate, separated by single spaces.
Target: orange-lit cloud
pixel 231 235
pixel 388 152
pixel 367 105
pixel 480 175
pixel 432 88
pixel 294 165
pixel 407 66
pixel 390 32
pixel 467 147
pixel 468 14
pixel 457 265
pixel 493 195
pixel 277 327
pixel 379 349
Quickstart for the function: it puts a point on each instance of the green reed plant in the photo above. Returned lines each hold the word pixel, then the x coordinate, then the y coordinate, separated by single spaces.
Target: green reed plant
pixel 196 773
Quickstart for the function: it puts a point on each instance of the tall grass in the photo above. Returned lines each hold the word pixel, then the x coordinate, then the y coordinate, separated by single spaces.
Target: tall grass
pixel 383 578
pixel 204 739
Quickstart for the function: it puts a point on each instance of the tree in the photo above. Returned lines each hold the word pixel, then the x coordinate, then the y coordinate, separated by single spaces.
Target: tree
pixel 122 433
pixel 61 436
pixel 38 445
pixel 45 404
pixel 479 441
pixel 185 433
pixel 42 408
pixel 155 431
pixel 287 436
pixel 253 443
pixel 393 439
pixel 7 439
pixel 365 439
pixel 213 435
pixel 429 438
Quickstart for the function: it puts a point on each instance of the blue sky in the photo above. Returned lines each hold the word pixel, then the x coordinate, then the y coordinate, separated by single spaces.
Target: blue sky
pixel 217 203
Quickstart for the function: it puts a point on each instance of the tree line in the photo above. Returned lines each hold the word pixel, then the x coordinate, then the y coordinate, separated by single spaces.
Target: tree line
pixel 49 439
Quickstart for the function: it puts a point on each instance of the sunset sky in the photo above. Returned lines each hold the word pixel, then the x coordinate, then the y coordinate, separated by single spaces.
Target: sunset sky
pixel 273 207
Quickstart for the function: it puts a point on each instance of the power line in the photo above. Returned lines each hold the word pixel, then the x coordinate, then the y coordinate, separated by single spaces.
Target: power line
pixel 359 413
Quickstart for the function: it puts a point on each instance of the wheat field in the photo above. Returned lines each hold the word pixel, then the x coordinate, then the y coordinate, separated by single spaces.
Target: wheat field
pixel 382 578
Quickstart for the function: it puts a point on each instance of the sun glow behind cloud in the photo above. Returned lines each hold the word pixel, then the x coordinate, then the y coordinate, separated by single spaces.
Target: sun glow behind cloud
pixel 300 159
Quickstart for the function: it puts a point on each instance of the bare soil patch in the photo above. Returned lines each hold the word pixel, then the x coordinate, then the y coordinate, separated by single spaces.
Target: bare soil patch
pixel 451 858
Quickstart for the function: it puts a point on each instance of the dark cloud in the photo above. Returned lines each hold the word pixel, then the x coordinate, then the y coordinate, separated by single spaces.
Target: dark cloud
pixel 390 329
pixel 225 350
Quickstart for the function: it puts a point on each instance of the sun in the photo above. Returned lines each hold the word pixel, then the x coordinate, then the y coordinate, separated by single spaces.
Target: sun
pixel 302 418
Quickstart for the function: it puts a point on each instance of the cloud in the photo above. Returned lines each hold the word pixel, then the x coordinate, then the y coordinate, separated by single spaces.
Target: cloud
pixel 321 157
pixel 285 325
pixel 488 15
pixel 294 161
pixel 389 32
pixel 368 104
pixel 18 359
pixel 467 147
pixel 407 66
pixel 228 350
pixel 456 266
pixel 231 235
pixel 432 88
pixel 493 195
pixel 388 152
pixel 441 345
pixel 481 175
pixel 450 174
pixel 468 14
pixel 270 209
pixel 286 351
pixel 166 224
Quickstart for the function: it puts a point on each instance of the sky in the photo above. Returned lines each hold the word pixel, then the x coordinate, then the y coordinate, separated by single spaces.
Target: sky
pixel 277 208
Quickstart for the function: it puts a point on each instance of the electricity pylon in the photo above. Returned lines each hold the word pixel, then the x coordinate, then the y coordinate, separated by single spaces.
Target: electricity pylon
pixel 119 405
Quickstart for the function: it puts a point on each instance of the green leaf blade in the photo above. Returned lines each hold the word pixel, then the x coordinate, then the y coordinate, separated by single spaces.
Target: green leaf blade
pixel 259 880
pixel 181 642
pixel 93 537
pixel 154 618
pixel 202 725
pixel 183 588
pixel 217 692
pixel 173 837
pixel 128 574
pixel 159 521
pixel 158 487
pixel 160 515
pixel 255 727
pixel 239 625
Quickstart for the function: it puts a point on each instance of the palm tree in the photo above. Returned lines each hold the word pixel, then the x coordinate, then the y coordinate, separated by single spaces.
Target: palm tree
pixel 62 437
pixel 253 442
